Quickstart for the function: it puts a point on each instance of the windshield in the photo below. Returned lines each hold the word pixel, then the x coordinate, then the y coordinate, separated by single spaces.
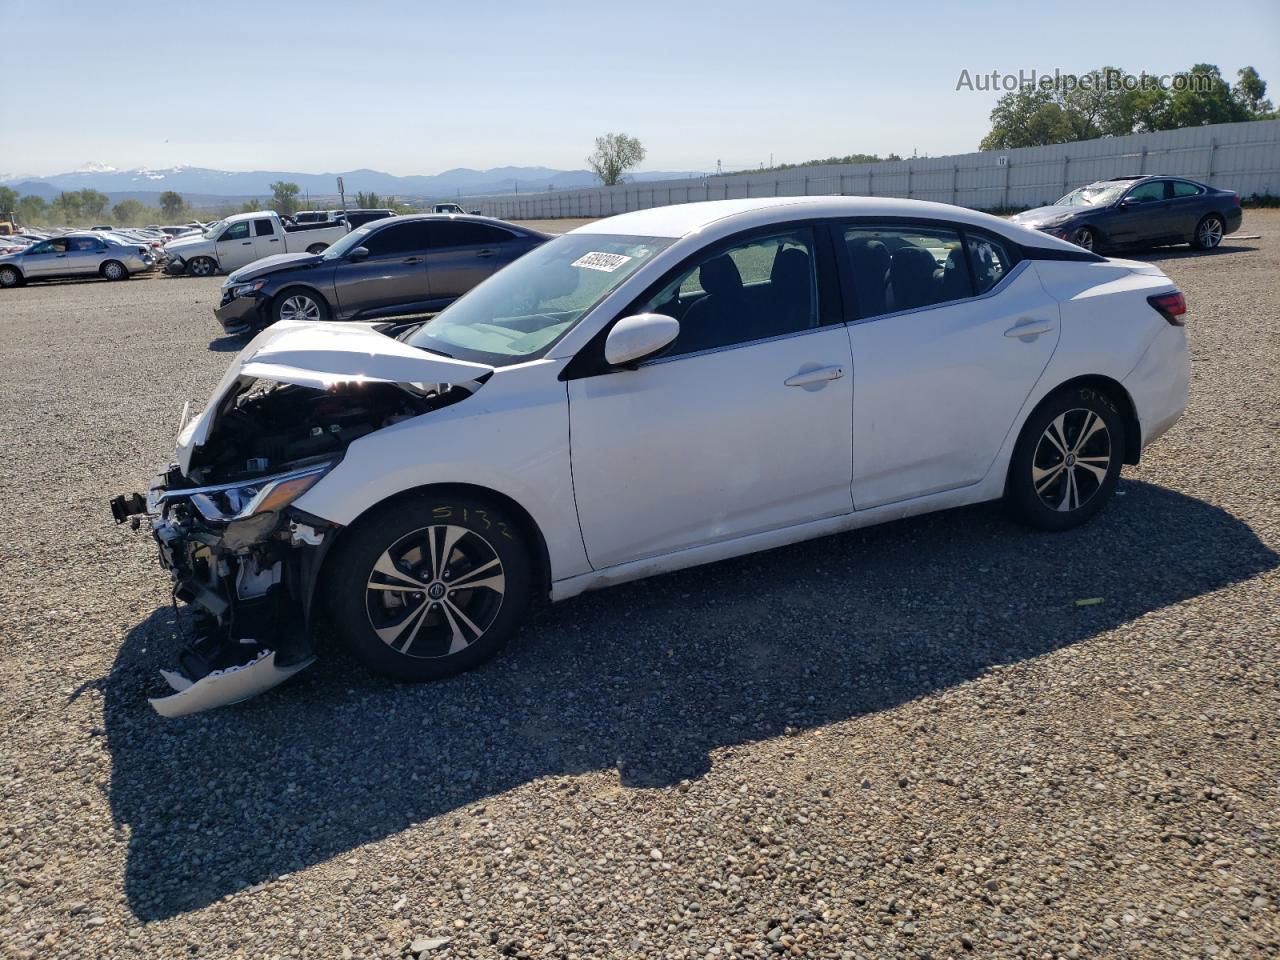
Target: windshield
pixel 340 248
pixel 524 308
pixel 211 230
pixel 1094 195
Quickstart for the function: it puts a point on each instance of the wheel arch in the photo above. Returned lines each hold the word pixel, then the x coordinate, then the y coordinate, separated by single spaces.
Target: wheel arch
pixel 1117 394
pixel 102 267
pixel 541 555
pixel 22 277
pixel 306 287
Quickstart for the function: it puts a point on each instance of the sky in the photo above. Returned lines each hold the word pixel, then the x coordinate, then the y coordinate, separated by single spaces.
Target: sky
pixel 418 88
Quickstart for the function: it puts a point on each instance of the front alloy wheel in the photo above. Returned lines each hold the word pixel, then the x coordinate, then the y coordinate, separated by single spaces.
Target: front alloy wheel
pixel 430 585
pixel 9 277
pixel 435 591
pixel 299 306
pixel 1083 237
pixel 202 267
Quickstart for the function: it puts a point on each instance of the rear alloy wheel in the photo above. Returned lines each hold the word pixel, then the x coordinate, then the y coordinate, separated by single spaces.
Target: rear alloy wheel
pixel 1084 237
pixel 430 587
pixel 10 277
pixel 299 304
pixel 1067 461
pixel 1209 232
pixel 115 270
pixel 202 267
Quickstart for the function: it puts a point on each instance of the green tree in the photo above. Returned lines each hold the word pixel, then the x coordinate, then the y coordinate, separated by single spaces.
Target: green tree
pixel 615 154
pixel 32 209
pixel 1028 117
pixel 128 212
pixel 171 204
pixel 1205 98
pixel 369 201
pixel 93 204
pixel 8 200
pixel 65 209
pixel 1250 92
pixel 284 197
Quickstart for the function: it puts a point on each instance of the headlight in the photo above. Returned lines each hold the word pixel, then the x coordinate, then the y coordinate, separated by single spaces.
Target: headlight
pixel 240 501
pixel 247 289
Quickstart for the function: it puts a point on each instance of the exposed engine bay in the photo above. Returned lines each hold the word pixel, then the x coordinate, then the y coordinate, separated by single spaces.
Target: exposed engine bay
pixel 237 551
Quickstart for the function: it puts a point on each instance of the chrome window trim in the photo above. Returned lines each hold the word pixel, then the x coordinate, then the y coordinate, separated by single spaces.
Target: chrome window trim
pixel 735 346
pixel 1004 281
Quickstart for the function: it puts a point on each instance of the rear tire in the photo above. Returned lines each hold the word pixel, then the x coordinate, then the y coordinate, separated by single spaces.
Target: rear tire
pixel 299 303
pixel 202 267
pixel 115 270
pixel 1209 232
pixel 1067 460
pixel 395 593
pixel 10 277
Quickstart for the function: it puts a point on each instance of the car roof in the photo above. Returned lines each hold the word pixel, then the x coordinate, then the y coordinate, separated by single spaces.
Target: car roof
pixel 729 216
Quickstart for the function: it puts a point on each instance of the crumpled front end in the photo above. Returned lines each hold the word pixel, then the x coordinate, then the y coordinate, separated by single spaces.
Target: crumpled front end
pixel 222 517
pixel 248 568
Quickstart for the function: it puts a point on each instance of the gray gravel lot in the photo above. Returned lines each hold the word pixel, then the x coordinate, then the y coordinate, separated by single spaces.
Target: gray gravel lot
pixel 908 741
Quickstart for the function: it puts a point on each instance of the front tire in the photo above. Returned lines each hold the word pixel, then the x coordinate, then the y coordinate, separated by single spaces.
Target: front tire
pixel 115 270
pixel 299 303
pixel 202 267
pixel 427 587
pixel 10 277
pixel 1067 460
pixel 317 248
pixel 1209 232
pixel 1085 237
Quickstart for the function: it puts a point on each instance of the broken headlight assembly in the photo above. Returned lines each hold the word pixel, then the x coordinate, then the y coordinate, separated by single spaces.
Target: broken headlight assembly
pixel 245 500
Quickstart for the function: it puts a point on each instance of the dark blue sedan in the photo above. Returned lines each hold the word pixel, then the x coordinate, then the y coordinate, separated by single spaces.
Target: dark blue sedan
pixel 1140 212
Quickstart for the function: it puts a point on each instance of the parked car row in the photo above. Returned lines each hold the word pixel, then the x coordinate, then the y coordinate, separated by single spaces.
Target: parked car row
pixel 645 393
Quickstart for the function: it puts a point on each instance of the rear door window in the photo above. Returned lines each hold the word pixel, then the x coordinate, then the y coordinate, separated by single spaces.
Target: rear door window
pixel 893 268
pixel 264 228
pixel 1184 188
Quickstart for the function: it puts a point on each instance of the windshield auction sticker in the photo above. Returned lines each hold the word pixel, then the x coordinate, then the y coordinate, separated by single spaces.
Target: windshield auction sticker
pixel 606 262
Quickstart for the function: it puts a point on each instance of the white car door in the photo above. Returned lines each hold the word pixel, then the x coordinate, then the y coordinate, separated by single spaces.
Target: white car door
pixel 266 241
pixel 743 425
pixel 949 342
pixel 235 246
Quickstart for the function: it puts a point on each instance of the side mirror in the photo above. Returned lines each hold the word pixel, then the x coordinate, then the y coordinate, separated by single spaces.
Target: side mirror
pixel 356 254
pixel 637 337
pixel 1130 202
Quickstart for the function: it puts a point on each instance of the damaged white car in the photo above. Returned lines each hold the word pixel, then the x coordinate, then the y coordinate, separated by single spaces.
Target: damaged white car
pixel 648 392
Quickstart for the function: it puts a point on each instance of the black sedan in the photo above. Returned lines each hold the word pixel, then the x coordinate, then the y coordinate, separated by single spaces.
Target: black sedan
pixel 1140 212
pixel 394 266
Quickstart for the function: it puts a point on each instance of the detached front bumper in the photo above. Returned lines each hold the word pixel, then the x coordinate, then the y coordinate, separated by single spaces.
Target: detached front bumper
pixel 241 314
pixel 251 582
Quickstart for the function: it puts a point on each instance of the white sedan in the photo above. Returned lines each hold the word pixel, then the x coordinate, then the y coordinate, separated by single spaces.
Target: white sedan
pixel 648 392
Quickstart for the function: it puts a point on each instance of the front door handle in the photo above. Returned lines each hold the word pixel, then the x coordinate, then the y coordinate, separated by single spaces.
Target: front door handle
pixel 484 253
pixel 246 243
pixel 411 260
pixel 821 375
pixel 1029 328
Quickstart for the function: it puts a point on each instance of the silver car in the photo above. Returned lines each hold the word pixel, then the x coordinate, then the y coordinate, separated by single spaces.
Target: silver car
pixel 75 255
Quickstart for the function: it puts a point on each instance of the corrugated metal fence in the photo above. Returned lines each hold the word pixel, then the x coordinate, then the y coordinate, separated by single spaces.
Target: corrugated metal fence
pixel 1244 157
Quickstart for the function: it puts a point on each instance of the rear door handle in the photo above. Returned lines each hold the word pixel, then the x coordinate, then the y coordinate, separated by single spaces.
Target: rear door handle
pixel 807 377
pixel 246 243
pixel 1029 328
pixel 274 240
pixel 411 260
pixel 484 253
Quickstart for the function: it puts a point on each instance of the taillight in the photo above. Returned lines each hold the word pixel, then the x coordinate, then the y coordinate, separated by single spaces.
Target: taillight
pixel 1171 306
pixel 1235 198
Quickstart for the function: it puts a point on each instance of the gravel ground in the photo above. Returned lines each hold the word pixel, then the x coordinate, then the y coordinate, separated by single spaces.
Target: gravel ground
pixel 908 741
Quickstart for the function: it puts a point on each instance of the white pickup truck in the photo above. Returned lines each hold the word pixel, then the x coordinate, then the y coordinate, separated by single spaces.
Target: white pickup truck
pixel 236 241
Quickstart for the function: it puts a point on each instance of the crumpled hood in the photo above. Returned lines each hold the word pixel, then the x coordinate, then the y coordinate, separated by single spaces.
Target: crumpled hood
pixel 323 355
pixel 273 264
pixel 1042 215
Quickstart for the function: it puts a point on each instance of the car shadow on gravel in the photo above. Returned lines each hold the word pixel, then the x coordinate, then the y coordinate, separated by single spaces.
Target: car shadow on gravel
pixel 233 343
pixel 1187 253
pixel 645 679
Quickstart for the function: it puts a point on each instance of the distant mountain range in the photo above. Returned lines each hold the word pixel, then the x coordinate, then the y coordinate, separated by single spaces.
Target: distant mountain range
pixel 203 183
